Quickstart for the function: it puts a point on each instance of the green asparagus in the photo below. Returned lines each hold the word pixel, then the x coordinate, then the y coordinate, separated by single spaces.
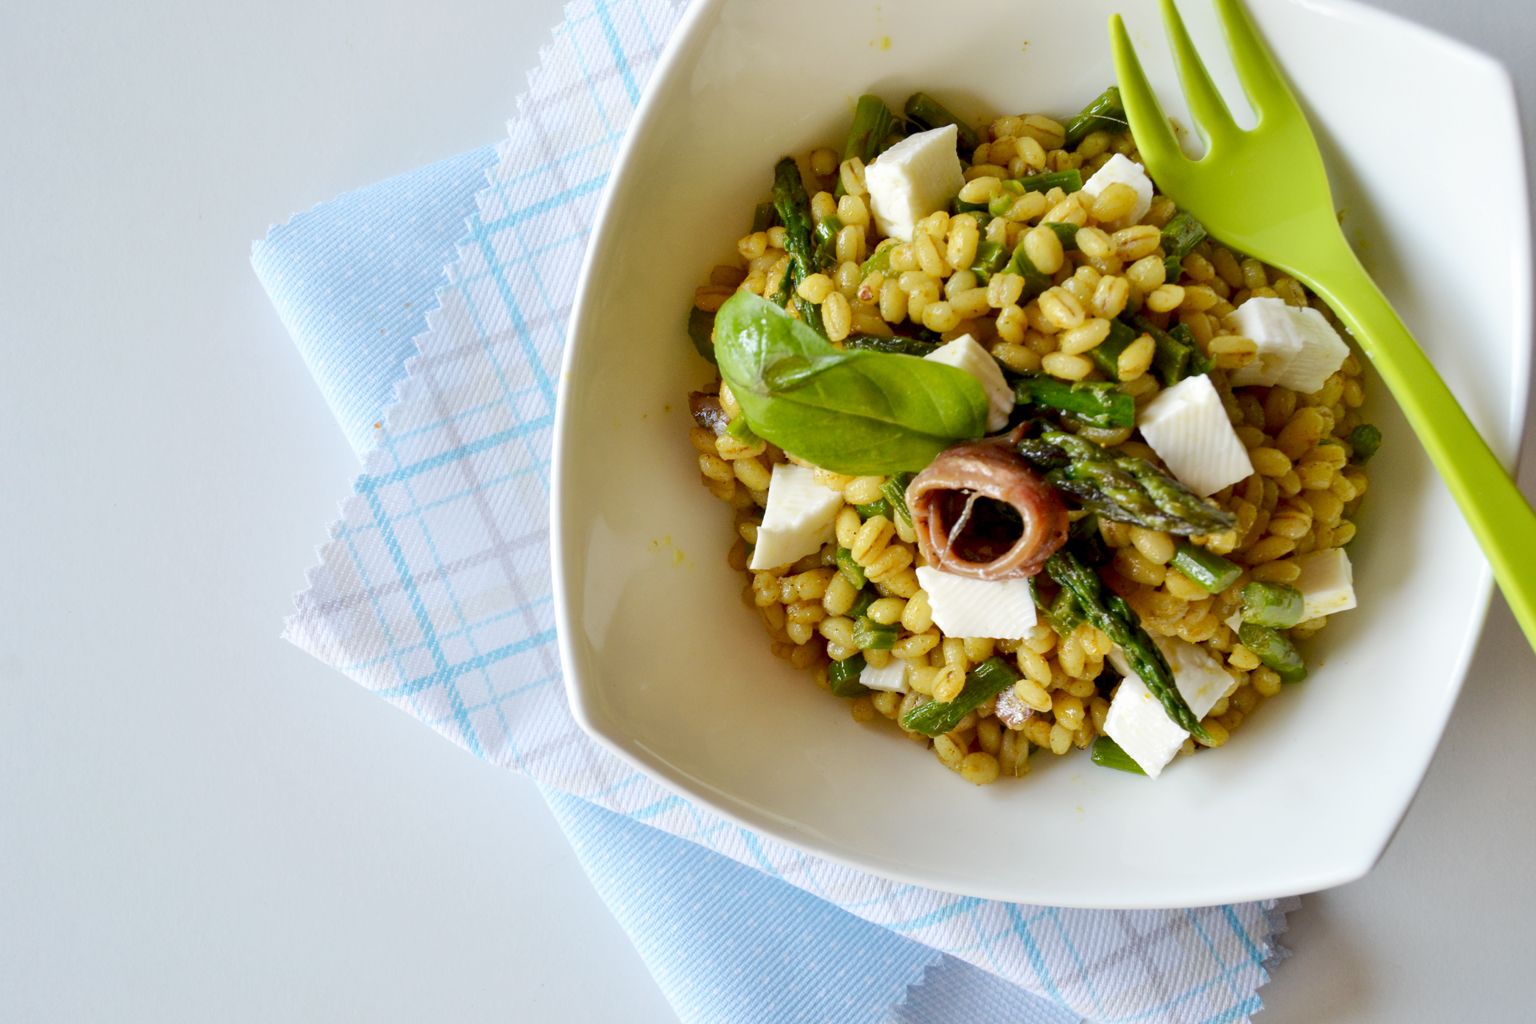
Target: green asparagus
pixel 990 258
pixel 1064 613
pixel 1106 753
pixel 701 330
pixel 852 571
pixel 872 125
pixel 1105 113
pixel 1277 605
pixel 1106 354
pixel 764 216
pixel 895 491
pixel 869 635
pixel 843 677
pixel 878 507
pixel 1274 650
pixel 926 112
pixel 1122 487
pixel 1209 570
pixel 1066 232
pixel 794 209
pixel 1096 403
pixel 1115 618
pixel 1174 359
pixel 895 343
pixel 1035 280
pixel 986 680
pixel 825 237
pixel 741 430
pixel 1180 236
pixel 1364 440
pixel 1067 181
pixel 879 260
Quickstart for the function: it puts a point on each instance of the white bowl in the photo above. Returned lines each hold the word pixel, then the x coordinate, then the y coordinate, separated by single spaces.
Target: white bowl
pixel 665 666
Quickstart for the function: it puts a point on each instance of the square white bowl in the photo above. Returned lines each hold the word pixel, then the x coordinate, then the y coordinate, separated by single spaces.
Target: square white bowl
pixel 667 668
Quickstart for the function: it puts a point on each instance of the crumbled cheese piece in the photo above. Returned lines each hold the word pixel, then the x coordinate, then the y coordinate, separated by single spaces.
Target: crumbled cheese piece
pixel 892 677
pixel 964 353
pixel 798 519
pixel 1123 170
pixel 1188 428
pixel 1327 583
pixel 964 606
pixel 1298 348
pixel 915 177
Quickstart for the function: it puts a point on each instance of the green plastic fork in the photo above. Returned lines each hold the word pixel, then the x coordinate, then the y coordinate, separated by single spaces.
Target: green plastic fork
pixel 1294 228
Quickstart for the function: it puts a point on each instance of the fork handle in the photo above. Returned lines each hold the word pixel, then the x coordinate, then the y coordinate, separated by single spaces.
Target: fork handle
pixel 1500 517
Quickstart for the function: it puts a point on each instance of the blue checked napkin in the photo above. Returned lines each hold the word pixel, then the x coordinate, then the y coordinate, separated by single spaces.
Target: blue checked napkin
pixel 433 591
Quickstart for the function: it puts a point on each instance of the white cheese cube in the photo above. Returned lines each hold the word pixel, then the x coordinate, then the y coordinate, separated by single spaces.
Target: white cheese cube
pixel 915 177
pixel 964 606
pixel 1322 353
pixel 798 519
pixel 1188 428
pixel 1138 722
pixel 965 354
pixel 1143 729
pixel 1267 323
pixel 1327 583
pixel 1298 348
pixel 892 677
pixel 1123 170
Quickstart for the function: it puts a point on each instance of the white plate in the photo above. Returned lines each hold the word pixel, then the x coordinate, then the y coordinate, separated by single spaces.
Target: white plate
pixel 665 666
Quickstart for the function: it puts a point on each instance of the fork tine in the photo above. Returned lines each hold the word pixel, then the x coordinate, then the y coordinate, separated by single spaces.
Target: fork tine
pixel 1149 125
pixel 1256 68
pixel 1211 115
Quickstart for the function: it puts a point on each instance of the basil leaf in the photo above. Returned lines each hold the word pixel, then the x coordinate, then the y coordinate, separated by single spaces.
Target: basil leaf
pixel 859 412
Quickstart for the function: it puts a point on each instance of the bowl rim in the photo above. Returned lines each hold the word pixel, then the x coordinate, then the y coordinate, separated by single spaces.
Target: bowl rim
pixel 582 700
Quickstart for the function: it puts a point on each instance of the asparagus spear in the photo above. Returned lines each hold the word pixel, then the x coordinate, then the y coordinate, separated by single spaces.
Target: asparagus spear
pixel 927 112
pixel 1035 280
pixel 1277 605
pixel 936 718
pixel 1106 753
pixel 764 216
pixel 843 677
pixel 872 125
pixel 869 635
pixel 1122 487
pixel 1275 650
pixel 878 507
pixel 879 260
pixel 895 491
pixel 1110 613
pixel 1106 355
pixel 1097 403
pixel 1176 356
pixel 1208 569
pixel 1067 181
pixel 990 258
pixel 825 237
pixel 701 330
pixel 852 571
pixel 1066 232
pixel 895 343
pixel 794 209
pixel 1105 113
pixel 1364 440
pixel 1061 611
pixel 1180 235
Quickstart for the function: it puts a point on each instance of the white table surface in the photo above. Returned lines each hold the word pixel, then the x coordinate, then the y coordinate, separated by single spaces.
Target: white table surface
pixel 198 822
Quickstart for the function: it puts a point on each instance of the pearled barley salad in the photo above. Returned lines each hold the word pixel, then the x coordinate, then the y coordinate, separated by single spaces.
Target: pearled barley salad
pixel 1019 459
